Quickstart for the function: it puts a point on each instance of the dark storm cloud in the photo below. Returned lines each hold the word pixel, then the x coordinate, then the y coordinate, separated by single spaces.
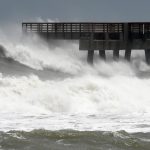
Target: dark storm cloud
pixel 73 10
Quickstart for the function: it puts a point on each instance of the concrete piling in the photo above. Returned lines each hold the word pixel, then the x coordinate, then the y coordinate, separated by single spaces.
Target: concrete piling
pixel 116 54
pixel 128 54
pixel 102 54
pixel 147 56
pixel 90 57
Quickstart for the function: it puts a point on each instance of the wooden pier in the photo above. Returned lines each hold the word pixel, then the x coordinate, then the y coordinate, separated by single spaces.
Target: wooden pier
pixel 98 36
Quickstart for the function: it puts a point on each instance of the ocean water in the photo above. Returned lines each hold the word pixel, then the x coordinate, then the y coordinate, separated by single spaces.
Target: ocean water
pixel 51 99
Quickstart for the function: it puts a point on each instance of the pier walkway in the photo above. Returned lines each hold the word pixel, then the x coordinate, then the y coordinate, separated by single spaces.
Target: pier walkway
pixel 98 36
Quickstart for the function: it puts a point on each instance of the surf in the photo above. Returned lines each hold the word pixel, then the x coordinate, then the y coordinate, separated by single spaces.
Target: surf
pixel 55 80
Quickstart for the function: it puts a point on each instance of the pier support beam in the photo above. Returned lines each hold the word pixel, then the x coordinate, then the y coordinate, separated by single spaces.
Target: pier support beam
pixel 128 54
pixel 90 57
pixel 147 56
pixel 102 54
pixel 116 54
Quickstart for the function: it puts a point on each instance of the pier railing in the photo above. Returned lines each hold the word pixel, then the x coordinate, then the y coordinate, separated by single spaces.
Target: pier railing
pixel 72 27
pixel 135 30
pixel 74 30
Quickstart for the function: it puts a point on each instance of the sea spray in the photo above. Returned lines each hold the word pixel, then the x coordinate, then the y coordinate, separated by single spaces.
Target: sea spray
pixel 106 96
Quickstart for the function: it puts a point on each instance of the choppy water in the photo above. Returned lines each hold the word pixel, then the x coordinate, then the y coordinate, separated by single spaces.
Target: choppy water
pixel 50 98
pixel 72 140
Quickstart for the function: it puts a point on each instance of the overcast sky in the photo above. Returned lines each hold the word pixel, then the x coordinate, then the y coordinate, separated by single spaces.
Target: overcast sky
pixel 75 10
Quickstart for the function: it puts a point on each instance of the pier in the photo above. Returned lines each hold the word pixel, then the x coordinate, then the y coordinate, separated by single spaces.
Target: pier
pixel 99 36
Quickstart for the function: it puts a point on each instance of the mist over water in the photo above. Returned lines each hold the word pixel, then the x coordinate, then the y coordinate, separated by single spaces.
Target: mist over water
pixel 51 86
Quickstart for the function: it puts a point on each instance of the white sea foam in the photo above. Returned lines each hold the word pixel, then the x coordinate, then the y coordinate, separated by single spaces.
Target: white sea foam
pixel 108 90
pixel 89 102
pixel 84 94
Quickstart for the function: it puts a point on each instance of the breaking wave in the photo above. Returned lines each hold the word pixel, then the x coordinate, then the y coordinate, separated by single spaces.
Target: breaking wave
pixel 116 88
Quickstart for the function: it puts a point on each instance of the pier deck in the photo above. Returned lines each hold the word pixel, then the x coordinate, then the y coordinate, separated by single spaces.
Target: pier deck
pixel 98 36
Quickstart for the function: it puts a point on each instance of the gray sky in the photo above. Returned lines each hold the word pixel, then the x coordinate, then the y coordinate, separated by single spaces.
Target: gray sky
pixel 75 10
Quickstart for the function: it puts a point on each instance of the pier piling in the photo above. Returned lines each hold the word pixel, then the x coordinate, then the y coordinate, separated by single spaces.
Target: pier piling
pixel 102 54
pixel 90 57
pixel 128 54
pixel 116 54
pixel 147 56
